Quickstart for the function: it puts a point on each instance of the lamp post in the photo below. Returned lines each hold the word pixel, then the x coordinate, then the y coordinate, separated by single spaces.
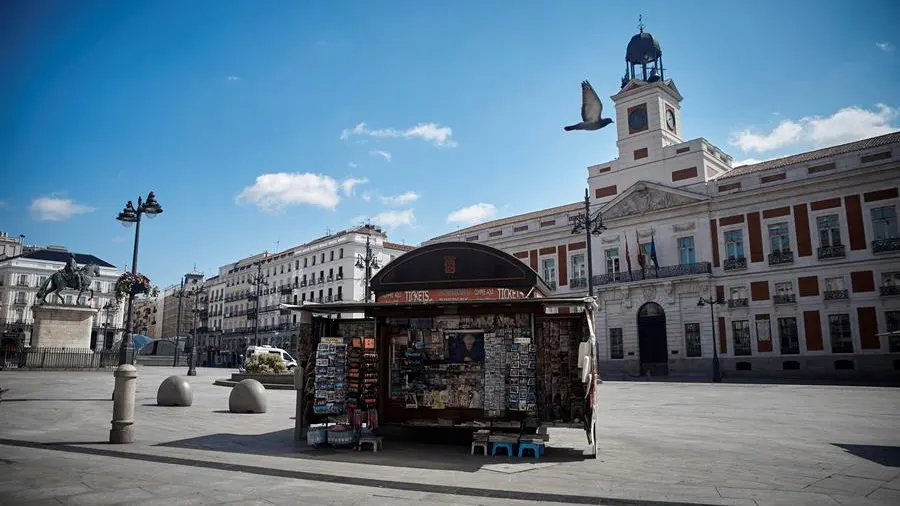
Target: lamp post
pixel 192 369
pixel 259 281
pixel 128 216
pixel 109 306
pixel 369 262
pixel 712 302
pixel 589 225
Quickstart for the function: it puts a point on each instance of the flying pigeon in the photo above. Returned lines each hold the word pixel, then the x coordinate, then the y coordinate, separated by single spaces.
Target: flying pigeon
pixel 591 108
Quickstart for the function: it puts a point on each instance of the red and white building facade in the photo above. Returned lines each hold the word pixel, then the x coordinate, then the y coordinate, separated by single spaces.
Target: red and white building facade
pixel 804 251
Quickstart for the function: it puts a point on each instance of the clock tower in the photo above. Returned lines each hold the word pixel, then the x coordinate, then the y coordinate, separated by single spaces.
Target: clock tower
pixel 648 106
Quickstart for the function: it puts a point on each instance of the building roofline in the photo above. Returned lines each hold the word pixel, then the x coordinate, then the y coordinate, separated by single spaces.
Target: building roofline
pixel 531 215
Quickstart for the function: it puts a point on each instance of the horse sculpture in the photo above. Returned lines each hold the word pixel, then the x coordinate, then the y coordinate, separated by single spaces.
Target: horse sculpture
pixel 79 280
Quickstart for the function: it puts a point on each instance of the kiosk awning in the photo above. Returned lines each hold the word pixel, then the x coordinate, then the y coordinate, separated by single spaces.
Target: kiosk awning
pixel 359 307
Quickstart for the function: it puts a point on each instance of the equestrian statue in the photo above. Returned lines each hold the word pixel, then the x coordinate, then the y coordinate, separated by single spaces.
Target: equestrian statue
pixel 70 276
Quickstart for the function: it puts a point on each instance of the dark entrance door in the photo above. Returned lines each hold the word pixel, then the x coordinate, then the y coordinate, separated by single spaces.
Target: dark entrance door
pixel 654 352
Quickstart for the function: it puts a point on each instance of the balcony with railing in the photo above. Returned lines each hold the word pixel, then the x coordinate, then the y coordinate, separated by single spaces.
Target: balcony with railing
pixel 736 303
pixel 781 257
pixel 889 290
pixel 322 280
pixel 302 283
pixel 578 283
pixel 836 294
pixel 669 271
pixel 330 278
pixel 886 245
pixel 834 251
pixel 786 298
pixel 734 263
pixel 287 289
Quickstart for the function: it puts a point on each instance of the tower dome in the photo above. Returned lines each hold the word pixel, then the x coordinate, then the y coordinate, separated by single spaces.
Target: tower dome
pixel 643 58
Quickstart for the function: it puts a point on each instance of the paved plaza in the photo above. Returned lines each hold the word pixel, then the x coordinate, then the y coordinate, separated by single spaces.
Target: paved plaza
pixel 662 444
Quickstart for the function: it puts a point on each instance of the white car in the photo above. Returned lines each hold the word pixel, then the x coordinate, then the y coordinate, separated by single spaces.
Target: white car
pixel 285 356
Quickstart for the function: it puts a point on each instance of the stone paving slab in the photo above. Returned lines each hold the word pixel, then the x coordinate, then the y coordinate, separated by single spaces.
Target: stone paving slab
pixel 688 443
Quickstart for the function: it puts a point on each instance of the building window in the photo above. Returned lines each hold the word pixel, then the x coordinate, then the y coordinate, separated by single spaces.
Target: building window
pixel 763 330
pixel 578 267
pixel 834 289
pixel 330 297
pixel 314 260
pixel 784 293
pixel 734 244
pixel 23 280
pixel 548 268
pixel 20 298
pixel 305 263
pixel 884 222
pixel 692 339
pixel 612 260
pixel 686 251
pixel 331 255
pixel 341 253
pixel 892 323
pixel 779 238
pixel 740 330
pixel 787 334
pixel 841 337
pixel 340 293
pixel 616 344
pixel 340 274
pixel 20 316
pixel 829 230
pixel 644 250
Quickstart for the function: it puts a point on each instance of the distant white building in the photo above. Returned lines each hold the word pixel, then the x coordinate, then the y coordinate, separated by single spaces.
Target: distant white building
pixel 804 250
pixel 22 275
pixel 243 299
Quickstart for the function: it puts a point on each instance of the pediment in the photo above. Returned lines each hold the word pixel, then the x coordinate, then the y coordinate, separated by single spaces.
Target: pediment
pixel 644 197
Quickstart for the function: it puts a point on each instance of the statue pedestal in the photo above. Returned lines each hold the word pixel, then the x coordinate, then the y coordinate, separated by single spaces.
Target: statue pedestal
pixel 62 326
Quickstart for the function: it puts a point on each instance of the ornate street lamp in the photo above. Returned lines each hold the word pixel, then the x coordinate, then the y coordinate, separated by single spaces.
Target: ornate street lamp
pixel 192 360
pixel 712 302
pixel 589 224
pixel 132 215
pixel 259 281
pixel 369 262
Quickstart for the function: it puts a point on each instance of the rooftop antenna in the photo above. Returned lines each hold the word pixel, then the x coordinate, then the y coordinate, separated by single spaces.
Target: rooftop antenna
pixel 641 23
pixel 277 244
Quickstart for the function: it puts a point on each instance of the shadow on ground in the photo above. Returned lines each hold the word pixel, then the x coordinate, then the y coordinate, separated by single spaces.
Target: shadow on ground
pixel 396 452
pixel 888 456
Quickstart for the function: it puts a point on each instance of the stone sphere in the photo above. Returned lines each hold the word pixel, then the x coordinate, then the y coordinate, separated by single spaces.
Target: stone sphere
pixel 175 391
pixel 248 396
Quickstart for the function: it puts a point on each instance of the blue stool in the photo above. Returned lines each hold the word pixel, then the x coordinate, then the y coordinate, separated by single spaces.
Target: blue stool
pixel 507 446
pixel 537 449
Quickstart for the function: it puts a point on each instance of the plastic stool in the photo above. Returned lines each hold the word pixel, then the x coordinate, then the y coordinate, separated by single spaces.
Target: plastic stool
pixel 507 446
pixel 538 449
pixel 480 444
pixel 375 441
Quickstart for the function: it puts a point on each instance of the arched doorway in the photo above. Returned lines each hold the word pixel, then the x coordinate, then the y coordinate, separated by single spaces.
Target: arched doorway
pixel 654 352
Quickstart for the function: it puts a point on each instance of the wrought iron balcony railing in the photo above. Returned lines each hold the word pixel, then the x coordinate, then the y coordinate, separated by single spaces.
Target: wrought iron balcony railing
pixel 303 283
pixel 286 290
pixel 734 263
pixel 781 257
pixel 837 294
pixel 886 245
pixel 789 298
pixel 733 303
pixel 889 290
pixel 835 251
pixel 578 283
pixel 669 271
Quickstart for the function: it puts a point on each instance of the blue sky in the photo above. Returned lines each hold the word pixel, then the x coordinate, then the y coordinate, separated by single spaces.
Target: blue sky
pixel 245 117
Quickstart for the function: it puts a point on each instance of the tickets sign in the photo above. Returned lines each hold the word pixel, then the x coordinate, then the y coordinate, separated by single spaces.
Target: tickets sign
pixel 451 295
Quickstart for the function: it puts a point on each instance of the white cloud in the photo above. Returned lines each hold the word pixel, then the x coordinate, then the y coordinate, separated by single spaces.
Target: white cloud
pixel 232 78
pixel 388 219
pixel 352 182
pixel 884 46
pixel 430 132
pixel 367 196
pixel 352 165
pixel 401 199
pixel 846 125
pixel 384 154
pixel 473 214
pixel 273 192
pixel 56 209
pixel 746 161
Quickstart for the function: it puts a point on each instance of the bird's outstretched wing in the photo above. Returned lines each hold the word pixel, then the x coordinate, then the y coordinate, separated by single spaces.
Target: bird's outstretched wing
pixel 591 107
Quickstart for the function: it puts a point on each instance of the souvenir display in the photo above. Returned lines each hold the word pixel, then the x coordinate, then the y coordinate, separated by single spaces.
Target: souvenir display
pixel 561 392
pixel 494 378
pixel 520 386
pixel 331 376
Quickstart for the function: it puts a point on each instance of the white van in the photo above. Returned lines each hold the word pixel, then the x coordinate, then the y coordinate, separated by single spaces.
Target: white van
pixel 285 356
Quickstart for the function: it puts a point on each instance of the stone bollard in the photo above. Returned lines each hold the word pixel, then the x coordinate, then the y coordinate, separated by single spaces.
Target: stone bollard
pixel 123 405
pixel 174 391
pixel 248 396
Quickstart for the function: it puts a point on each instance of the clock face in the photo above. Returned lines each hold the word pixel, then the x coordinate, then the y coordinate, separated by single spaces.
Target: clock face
pixel 670 119
pixel 637 120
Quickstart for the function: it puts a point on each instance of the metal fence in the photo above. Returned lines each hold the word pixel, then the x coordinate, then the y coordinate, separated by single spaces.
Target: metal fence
pixel 60 358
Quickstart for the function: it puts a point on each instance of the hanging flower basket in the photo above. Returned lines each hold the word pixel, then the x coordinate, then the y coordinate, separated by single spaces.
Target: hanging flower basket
pixel 134 284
